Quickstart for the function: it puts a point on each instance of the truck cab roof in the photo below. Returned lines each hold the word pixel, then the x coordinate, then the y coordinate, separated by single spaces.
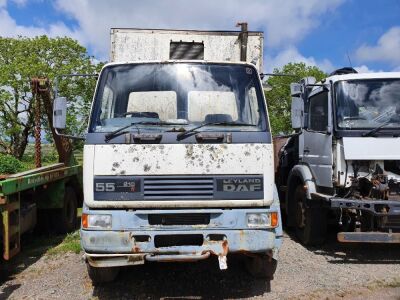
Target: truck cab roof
pixel 355 76
pixel 179 61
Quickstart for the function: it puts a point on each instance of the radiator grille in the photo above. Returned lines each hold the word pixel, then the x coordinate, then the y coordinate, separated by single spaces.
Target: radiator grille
pixel 195 188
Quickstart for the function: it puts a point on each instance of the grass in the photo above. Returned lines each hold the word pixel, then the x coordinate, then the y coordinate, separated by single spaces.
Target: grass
pixel 39 244
pixel 71 243
pixel 52 244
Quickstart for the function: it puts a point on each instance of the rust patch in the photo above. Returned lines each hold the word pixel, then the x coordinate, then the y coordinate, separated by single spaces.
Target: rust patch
pixel 225 248
pixel 135 258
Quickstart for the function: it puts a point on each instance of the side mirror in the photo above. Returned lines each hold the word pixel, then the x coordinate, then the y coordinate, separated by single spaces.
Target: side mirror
pixel 60 113
pixel 297 111
pixel 308 80
pixel 295 89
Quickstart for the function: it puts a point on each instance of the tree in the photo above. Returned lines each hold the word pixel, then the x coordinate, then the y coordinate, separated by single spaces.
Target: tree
pixel 24 58
pixel 279 99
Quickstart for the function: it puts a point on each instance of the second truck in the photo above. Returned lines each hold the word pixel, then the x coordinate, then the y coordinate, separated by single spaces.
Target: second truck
pixel 178 159
pixel 343 163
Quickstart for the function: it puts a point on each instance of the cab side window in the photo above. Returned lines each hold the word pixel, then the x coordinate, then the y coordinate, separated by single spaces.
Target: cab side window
pixel 318 112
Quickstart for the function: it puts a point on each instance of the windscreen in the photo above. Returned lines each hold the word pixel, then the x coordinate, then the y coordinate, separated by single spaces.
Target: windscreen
pixel 367 104
pixel 188 94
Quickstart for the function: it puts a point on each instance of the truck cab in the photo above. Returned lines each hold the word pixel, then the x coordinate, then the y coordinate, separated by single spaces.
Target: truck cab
pixel 178 158
pixel 343 162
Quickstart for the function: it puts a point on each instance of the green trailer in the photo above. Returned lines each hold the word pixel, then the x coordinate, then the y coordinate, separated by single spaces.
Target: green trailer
pixel 46 196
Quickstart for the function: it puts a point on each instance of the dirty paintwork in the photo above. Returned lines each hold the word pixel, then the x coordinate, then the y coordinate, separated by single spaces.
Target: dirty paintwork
pixel 182 159
pixel 148 45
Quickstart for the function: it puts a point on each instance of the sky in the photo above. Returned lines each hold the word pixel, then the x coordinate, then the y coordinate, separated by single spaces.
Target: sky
pixel 329 34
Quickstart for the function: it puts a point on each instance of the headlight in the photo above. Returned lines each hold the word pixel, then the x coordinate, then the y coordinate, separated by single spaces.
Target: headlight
pixel 96 221
pixel 262 220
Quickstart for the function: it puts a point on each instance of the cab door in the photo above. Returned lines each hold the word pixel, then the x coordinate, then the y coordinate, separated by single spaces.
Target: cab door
pixel 315 145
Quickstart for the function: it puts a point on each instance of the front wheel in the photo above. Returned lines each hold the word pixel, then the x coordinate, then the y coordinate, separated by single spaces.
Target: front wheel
pixel 261 266
pixel 102 275
pixel 310 222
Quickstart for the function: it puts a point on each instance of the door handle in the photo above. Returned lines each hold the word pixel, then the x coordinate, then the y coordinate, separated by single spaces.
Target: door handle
pixel 306 150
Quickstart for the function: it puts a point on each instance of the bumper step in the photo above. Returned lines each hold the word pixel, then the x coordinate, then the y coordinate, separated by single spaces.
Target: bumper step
pixel 368 237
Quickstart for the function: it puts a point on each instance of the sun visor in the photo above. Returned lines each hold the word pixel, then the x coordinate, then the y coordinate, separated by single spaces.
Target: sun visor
pixel 367 148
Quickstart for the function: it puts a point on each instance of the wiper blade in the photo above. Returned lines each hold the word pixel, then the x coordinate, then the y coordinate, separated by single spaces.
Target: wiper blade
pixel 375 130
pixel 185 133
pixel 122 130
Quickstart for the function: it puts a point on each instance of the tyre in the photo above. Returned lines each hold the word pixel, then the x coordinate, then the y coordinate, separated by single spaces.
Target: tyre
pixel 261 266
pixel 310 222
pixel 65 219
pixel 102 275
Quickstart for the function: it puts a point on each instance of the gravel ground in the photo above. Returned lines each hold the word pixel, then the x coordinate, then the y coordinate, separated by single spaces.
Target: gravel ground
pixel 334 271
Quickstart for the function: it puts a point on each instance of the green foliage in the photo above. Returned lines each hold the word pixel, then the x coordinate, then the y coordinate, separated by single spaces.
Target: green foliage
pixel 279 99
pixel 9 164
pixel 71 243
pixel 24 58
pixel 49 155
pixel 53 244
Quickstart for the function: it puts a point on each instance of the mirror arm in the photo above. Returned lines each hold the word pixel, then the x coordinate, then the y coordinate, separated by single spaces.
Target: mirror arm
pixel 69 136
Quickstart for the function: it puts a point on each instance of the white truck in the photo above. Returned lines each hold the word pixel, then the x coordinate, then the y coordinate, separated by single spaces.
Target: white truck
pixel 178 158
pixel 343 162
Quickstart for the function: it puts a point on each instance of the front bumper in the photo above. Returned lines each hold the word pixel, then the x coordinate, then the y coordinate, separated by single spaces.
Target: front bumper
pixel 389 210
pixel 369 237
pixel 121 248
pixel 138 241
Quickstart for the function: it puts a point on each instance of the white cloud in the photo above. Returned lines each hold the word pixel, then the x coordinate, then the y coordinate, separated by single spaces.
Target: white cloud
pixel 386 49
pixel 9 28
pixel 20 3
pixel 364 69
pixel 284 22
pixel 291 54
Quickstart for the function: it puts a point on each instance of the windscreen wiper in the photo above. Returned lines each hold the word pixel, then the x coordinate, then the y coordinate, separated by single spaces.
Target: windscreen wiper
pixel 376 129
pixel 185 133
pixel 122 130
